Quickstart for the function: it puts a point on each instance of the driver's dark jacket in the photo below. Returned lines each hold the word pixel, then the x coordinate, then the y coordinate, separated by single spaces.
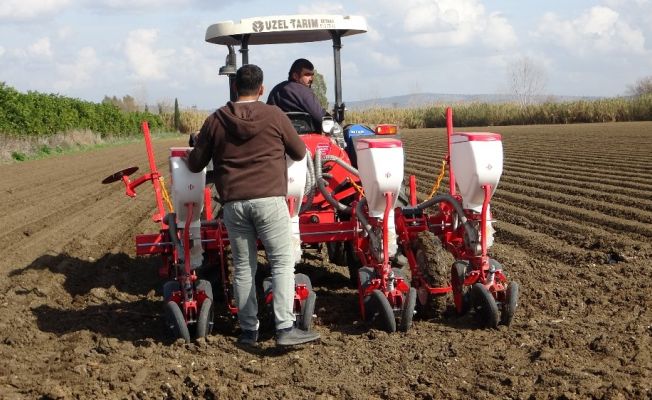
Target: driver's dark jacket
pixel 248 143
pixel 291 96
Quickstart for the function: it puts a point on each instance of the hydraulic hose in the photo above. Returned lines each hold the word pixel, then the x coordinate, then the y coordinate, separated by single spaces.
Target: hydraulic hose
pixel 341 162
pixel 373 238
pixel 171 220
pixel 310 183
pixel 471 232
pixel 322 188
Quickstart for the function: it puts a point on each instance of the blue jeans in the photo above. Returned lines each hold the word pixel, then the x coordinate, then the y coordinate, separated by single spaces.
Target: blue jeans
pixel 267 219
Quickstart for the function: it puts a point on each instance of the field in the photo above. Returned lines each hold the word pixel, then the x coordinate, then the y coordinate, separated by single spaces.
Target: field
pixel 80 315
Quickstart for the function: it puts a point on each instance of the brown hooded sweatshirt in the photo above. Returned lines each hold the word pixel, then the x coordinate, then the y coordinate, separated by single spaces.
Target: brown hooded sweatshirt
pixel 248 142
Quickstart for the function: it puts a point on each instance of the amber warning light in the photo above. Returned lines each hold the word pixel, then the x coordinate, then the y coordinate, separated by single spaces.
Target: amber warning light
pixel 386 129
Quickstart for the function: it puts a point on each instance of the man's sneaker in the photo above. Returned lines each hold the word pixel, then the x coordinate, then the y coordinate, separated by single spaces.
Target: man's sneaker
pixel 248 338
pixel 294 336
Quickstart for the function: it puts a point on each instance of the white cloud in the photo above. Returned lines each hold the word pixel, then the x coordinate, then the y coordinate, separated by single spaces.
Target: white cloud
pixel 140 4
pixel 322 8
pixel 600 29
pixel 64 32
pixel 145 60
pixel 441 23
pixel 498 33
pixel 386 61
pixel 2 51
pixel 41 48
pixel 80 73
pixel 30 9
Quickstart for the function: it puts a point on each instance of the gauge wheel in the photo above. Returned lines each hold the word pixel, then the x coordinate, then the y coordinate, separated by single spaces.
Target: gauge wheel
pixel 511 302
pixel 382 312
pixel 175 321
pixel 485 306
pixel 407 314
pixel 204 325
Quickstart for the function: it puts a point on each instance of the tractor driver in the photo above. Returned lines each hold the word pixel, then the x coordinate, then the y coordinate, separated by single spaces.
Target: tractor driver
pixel 296 94
pixel 248 141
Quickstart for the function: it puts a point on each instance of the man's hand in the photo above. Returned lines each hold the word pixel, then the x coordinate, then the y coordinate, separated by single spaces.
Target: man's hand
pixel 192 139
pixel 186 156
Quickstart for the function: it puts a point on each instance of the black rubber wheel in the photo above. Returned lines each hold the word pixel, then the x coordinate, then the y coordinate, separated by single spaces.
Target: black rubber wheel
pixel 304 320
pixel 364 275
pixel 206 286
pixel 407 314
pixel 485 306
pixel 175 321
pixel 267 285
pixel 307 311
pixel 382 312
pixel 302 279
pixel 170 287
pixel 204 325
pixel 460 293
pixel 335 252
pixel 511 302
pixel 266 311
pixel 353 264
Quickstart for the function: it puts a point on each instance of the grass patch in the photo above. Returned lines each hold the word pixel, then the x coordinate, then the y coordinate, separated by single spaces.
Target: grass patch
pixel 13 149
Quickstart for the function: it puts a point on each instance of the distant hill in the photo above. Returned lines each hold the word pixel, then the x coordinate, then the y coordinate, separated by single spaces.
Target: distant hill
pixel 424 99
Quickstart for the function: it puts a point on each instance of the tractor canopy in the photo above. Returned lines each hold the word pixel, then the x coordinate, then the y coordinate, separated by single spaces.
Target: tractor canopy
pixel 286 29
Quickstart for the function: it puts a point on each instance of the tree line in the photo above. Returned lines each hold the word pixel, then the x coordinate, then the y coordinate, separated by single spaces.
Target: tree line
pixel 40 114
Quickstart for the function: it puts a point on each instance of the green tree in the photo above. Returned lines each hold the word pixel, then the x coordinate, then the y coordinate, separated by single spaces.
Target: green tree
pixel 177 115
pixel 319 87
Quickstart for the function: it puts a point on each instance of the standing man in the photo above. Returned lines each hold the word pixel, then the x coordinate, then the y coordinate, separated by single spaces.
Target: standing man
pixel 247 141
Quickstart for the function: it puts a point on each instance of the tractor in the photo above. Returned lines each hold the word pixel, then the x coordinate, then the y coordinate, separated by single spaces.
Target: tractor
pixel 355 201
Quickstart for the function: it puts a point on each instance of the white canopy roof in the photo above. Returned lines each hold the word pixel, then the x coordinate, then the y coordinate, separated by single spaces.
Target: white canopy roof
pixel 285 29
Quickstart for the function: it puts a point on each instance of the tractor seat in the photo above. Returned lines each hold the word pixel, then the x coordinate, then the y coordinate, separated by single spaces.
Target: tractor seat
pixel 302 122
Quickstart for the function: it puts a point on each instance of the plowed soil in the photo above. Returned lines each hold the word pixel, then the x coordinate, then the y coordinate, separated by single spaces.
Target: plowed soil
pixel 81 315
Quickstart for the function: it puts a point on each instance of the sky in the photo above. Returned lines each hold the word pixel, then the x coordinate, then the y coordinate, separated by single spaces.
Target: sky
pixel 154 50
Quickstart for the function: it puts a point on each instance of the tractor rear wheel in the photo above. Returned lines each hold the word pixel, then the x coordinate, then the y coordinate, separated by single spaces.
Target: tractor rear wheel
pixel 335 251
pixel 433 261
pixel 511 302
pixel 485 306
pixel 175 321
pixel 353 263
